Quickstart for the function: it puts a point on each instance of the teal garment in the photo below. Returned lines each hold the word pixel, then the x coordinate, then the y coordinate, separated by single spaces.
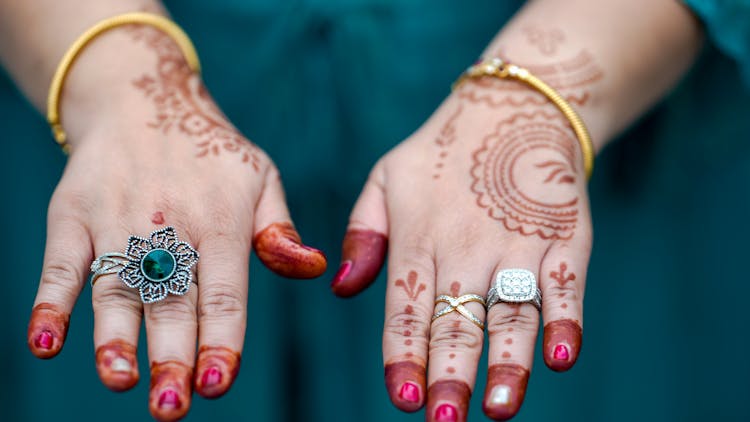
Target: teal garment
pixel 728 24
pixel 326 88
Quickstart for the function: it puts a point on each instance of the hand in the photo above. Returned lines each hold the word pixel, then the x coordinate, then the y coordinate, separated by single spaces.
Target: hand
pixel 167 156
pixel 483 186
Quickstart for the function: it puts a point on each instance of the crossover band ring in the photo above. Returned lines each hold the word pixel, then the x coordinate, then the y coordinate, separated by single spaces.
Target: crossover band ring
pixel 457 304
pixel 157 266
pixel 515 285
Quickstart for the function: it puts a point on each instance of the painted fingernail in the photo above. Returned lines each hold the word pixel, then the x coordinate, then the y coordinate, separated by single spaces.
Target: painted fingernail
pixel 561 352
pixel 405 382
pixel 506 388
pixel 47 329
pixel 446 413
pixel 217 369
pixel 211 377
pixel 169 400
pixel 44 340
pixel 341 274
pixel 562 344
pixel 363 254
pixel 280 249
pixel 409 392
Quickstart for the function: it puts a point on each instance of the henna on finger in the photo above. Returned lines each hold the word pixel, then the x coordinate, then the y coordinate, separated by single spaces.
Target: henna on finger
pixel 48 327
pixel 562 344
pixel 117 366
pixel 216 370
pixel 170 394
pixel 280 249
pixel 406 384
pixel 506 388
pixel 448 401
pixel 363 254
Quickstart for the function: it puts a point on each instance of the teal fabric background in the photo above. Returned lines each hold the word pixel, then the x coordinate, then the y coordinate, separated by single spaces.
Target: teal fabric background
pixel 326 87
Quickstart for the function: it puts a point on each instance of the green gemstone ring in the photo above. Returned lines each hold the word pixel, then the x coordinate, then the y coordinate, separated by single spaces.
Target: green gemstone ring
pixel 156 266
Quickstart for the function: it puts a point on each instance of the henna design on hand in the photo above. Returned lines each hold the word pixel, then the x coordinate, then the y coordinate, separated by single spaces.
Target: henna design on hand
pixel 182 101
pixel 521 154
pixel 545 40
pixel 445 138
pixel 560 276
pixel 410 286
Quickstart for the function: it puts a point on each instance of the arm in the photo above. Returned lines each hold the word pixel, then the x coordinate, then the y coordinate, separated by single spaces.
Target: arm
pixel 150 148
pixel 494 181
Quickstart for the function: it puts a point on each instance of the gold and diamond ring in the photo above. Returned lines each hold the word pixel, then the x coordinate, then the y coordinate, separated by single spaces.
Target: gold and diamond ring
pixel 457 304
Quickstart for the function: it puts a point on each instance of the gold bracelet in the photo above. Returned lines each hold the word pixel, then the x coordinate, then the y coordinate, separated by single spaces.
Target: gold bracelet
pixel 498 68
pixel 159 22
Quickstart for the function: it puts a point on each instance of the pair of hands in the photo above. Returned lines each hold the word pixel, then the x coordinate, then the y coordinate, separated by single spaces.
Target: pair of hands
pixel 479 188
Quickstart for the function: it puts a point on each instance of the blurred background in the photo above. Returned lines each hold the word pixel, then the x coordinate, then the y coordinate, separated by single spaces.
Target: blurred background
pixel 326 87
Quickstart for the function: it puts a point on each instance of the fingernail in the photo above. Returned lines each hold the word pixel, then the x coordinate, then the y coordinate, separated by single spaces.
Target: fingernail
pixel 341 274
pixel 169 400
pixel 44 340
pixel 211 376
pixel 561 352
pixel 446 413
pixel 409 392
pixel 500 395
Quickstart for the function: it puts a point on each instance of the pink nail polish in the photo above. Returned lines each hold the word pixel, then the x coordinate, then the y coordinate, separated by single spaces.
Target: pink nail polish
pixel 409 392
pixel 561 352
pixel 211 377
pixel 446 413
pixel 169 400
pixel 44 340
pixel 343 271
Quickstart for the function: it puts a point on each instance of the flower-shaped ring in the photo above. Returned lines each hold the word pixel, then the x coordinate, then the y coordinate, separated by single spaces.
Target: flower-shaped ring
pixel 156 266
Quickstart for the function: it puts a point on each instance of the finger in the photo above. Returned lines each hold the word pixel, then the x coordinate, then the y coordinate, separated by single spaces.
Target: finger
pixel 67 256
pixel 222 312
pixel 171 326
pixel 276 242
pixel 457 337
pixel 562 281
pixel 512 330
pixel 117 319
pixel 365 242
pixel 408 309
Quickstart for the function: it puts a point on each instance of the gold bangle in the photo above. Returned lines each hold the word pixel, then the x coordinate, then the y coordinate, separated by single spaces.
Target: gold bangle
pixel 498 68
pixel 159 22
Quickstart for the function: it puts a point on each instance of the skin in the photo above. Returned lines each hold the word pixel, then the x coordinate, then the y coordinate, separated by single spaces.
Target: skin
pixel 496 181
pixel 150 148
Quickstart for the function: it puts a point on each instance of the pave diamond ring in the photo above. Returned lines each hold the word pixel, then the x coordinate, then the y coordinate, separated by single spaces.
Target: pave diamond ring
pixel 515 286
pixel 156 266
pixel 457 304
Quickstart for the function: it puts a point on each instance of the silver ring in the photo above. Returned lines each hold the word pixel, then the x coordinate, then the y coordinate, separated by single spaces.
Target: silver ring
pixel 515 285
pixel 157 266
pixel 456 304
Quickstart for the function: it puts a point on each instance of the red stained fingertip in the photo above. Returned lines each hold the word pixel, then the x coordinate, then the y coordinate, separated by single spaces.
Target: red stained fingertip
pixel 117 366
pixel 562 344
pixel 363 254
pixel 506 388
pixel 448 400
pixel 169 398
pixel 216 370
pixel 280 249
pixel 405 382
pixel 47 329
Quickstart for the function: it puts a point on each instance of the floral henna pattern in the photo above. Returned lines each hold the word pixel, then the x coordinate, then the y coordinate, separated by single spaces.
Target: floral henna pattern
pixel 412 290
pixel 560 276
pixel 182 102
pixel 524 175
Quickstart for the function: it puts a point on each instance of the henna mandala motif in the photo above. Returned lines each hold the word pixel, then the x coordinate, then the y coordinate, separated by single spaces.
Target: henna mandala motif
pixel 183 102
pixel 524 175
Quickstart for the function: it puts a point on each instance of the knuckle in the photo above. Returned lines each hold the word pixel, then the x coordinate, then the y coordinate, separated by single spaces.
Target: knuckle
pixel 61 275
pixel 447 332
pixel 502 317
pixel 411 317
pixel 554 292
pixel 221 301
pixel 173 309
pixel 116 297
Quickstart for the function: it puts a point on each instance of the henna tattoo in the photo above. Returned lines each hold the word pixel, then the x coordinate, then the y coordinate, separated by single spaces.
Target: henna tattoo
pixel 448 397
pixel 506 355
pixel 560 276
pixel 506 388
pixel 169 396
pixel 445 138
pixel 183 102
pixel 545 40
pixel 405 382
pixel 280 249
pixel 451 370
pixel 363 254
pixel 217 368
pixel 455 289
pixel 158 218
pixel 48 327
pixel 512 164
pixel 508 341
pixel 562 344
pixel 410 286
